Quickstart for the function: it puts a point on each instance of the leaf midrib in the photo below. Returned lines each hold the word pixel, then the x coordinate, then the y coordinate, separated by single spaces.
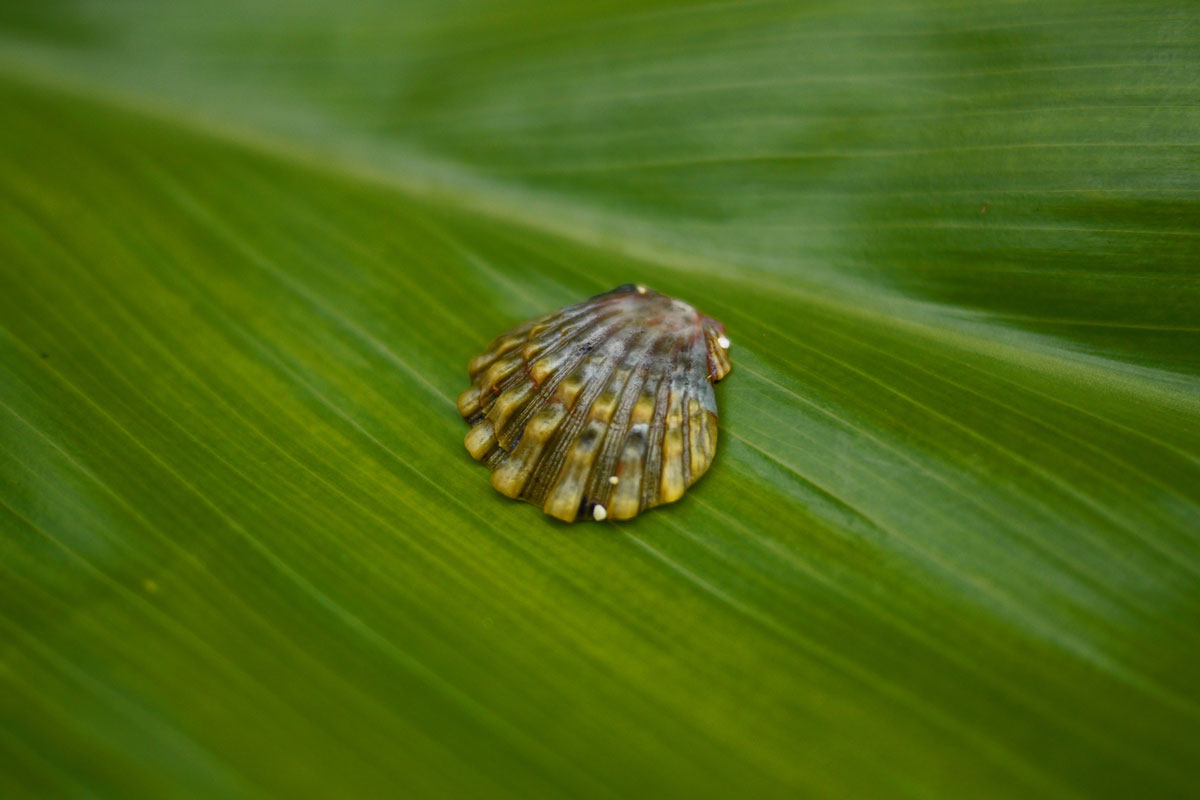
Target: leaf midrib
pixel 463 191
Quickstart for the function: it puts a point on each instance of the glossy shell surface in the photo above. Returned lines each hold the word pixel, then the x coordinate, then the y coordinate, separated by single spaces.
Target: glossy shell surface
pixel 601 409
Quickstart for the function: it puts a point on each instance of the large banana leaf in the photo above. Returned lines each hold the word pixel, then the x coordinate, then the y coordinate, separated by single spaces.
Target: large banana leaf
pixel 951 542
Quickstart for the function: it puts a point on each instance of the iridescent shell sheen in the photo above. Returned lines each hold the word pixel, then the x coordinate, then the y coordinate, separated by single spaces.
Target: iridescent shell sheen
pixel 601 409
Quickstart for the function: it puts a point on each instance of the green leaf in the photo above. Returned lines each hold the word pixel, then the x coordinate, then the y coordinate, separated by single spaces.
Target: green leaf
pixel 950 545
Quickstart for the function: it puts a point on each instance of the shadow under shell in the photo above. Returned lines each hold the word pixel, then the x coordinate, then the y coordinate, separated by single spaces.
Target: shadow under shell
pixel 603 408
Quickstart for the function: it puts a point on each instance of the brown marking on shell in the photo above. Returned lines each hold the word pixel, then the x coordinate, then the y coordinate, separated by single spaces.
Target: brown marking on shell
pixel 604 407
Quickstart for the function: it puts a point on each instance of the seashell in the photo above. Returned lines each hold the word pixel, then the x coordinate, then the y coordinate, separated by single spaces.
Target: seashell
pixel 603 408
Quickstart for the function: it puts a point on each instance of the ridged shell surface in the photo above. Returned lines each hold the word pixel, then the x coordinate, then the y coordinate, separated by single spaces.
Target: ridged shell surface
pixel 601 409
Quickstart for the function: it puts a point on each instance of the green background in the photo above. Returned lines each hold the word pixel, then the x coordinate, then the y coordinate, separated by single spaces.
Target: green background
pixel 950 546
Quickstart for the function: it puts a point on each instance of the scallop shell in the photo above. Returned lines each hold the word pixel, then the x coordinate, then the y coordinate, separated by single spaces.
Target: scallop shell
pixel 603 408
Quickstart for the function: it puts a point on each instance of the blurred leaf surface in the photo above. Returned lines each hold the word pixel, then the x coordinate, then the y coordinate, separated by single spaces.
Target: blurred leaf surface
pixel 951 542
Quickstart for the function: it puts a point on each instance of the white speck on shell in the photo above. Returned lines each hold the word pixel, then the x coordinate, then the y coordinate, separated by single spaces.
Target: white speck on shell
pixel 614 480
pixel 724 342
pixel 599 512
